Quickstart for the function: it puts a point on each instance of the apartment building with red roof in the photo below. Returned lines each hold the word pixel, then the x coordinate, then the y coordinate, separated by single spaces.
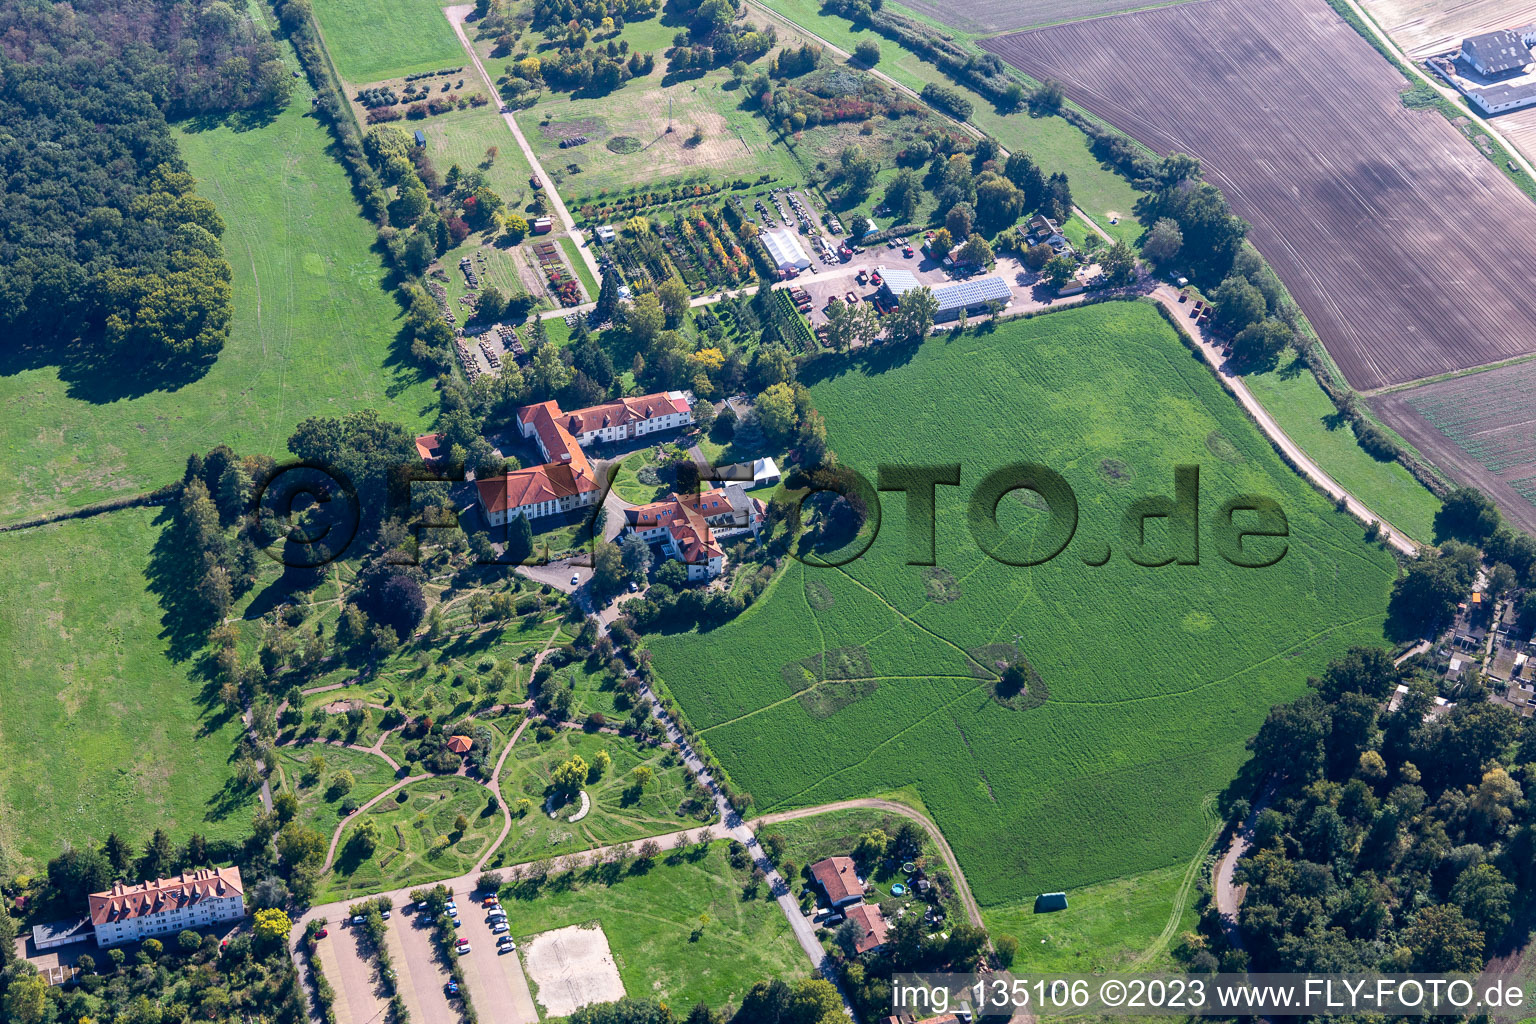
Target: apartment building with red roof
pixel 688 526
pixel 193 899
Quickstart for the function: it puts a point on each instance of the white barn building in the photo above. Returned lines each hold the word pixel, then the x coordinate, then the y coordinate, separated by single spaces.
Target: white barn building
pixel 784 249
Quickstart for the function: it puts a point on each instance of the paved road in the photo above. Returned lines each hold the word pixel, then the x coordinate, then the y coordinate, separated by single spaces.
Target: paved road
pixel 420 975
pixel 456 16
pixel 1168 296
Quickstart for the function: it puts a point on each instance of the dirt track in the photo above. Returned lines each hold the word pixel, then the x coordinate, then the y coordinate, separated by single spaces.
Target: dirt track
pixel 1407 249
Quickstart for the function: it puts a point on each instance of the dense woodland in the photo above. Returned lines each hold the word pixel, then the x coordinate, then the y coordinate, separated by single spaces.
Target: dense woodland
pixel 103 238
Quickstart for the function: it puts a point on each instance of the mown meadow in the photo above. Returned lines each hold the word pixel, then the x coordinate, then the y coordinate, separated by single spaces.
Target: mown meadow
pixel 314 332
pixel 104 722
pixel 879 675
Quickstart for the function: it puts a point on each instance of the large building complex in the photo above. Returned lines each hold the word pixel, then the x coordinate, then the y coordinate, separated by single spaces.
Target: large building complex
pixel 566 481
pixel 689 527
pixel 193 899
pixel 1495 71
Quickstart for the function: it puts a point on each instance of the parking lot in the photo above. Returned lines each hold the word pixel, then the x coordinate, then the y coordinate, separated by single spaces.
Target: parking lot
pixel 494 981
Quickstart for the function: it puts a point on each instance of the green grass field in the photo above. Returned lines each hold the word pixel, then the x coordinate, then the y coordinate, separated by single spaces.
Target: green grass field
pixel 314 333
pixel 463 137
pixel 1297 402
pixel 1105 927
pixel 650 918
pixel 371 40
pixel 735 142
pixel 618 814
pixel 1153 679
pixel 412 831
pixel 101 729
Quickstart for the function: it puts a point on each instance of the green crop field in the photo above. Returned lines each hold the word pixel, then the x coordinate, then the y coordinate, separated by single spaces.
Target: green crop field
pixel 1297 402
pixel 371 40
pixel 101 728
pixel 314 333
pixel 650 919
pixel 878 675
pixel 417 841
pixel 618 813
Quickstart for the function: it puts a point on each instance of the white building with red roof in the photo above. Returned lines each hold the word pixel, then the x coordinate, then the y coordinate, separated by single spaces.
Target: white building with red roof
pixel 193 899
pixel 566 481
pixel 681 525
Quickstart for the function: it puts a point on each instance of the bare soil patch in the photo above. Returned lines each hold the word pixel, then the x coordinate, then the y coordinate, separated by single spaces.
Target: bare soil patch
pixel 572 967
pixel 1480 429
pixel 1408 250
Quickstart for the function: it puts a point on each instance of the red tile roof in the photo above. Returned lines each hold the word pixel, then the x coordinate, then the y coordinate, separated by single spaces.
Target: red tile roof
pixel 681 516
pixel 869 925
pixel 530 486
pixel 431 447
pixel 125 902
pixel 837 878
pixel 460 744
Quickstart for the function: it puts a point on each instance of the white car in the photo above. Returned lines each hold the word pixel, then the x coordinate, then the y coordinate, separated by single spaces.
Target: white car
pixel 462 946
pixel 575 580
pixel 358 919
pixel 385 915
pixel 500 928
pixel 451 907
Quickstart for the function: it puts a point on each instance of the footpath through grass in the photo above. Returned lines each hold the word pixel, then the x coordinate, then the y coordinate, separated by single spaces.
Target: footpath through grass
pixel 314 333
pixel 100 729
pixel 651 918
pixel 877 675
pixel 1294 398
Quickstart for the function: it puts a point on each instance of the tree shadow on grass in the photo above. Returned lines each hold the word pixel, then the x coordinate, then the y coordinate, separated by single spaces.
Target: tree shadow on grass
pixel 173 569
pixel 92 372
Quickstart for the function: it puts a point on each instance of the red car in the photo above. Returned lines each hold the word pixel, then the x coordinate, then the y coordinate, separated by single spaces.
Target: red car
pixel 322 933
pixel 907 252
pixel 875 278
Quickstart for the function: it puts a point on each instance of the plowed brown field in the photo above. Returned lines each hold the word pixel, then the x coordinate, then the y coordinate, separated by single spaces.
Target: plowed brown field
pixel 1408 250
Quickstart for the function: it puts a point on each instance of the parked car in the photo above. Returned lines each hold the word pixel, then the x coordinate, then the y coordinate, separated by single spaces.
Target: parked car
pixel 451 907
pixel 358 919
pixel 633 586
pixel 499 928
pixel 907 252
pixel 575 579
pixel 462 945
pixel 385 915
pixel 452 987
pixel 322 933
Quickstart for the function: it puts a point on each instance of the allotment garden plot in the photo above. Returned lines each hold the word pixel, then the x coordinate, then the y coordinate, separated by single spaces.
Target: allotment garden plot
pixel 1480 428
pixel 1361 204
pixel 1142 684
